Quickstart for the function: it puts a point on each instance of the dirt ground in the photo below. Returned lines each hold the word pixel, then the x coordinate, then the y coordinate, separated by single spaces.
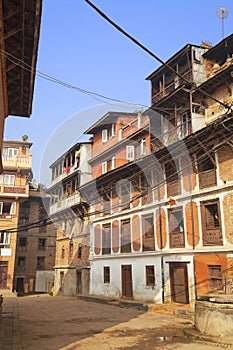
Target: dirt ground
pixel 61 323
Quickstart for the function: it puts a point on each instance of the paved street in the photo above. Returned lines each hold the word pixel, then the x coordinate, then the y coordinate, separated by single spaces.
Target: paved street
pixel 61 323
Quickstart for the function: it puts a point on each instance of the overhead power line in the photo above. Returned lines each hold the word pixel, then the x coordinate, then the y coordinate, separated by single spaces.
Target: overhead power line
pixel 114 24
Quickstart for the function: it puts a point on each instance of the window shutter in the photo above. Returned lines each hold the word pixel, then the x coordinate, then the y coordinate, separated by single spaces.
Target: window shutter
pixel 104 167
pixel 13 208
pixel 130 153
pixel 104 135
pixel 1 207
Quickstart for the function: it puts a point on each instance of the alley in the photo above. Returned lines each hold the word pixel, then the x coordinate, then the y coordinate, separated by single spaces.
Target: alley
pixel 61 323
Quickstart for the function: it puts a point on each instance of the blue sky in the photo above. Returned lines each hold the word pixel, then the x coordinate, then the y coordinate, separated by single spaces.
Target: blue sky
pixel 79 47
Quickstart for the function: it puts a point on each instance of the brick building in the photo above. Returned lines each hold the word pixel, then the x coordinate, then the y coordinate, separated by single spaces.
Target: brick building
pixel 14 187
pixel 36 244
pixel 67 210
pixel 161 193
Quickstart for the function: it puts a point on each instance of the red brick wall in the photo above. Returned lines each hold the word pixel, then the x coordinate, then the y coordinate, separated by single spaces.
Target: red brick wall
pixel 201 267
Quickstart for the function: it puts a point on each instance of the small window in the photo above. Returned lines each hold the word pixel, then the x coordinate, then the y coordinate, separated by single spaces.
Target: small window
pixel 80 252
pixel 71 248
pixel 150 275
pixel 148 236
pixel 105 135
pixel 41 243
pixel 215 277
pixel 143 147
pixel 112 130
pixel 13 208
pixel 21 261
pixel 63 252
pixel 104 167
pixel 130 153
pixel 40 262
pixel 4 238
pixel 113 163
pixel 106 274
pixel 9 180
pixel 22 241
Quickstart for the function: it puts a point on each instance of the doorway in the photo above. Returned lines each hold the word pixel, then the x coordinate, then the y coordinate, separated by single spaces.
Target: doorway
pixel 179 283
pixel 126 278
pixel 3 274
pixel 20 284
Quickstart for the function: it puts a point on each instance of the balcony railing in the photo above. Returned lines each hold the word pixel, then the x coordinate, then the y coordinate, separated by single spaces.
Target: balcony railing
pixel 137 124
pixel 66 172
pixel 15 161
pixel 168 89
pixel 64 203
pixel 14 190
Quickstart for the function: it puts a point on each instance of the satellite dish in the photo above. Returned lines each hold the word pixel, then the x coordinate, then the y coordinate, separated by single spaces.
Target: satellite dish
pixel 222 12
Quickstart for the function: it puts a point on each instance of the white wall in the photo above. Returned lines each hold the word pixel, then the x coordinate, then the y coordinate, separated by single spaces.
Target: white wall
pixel 114 288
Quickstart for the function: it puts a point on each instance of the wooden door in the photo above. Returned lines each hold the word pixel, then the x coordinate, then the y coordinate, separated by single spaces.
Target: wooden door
pixel 126 278
pixel 179 283
pixel 3 274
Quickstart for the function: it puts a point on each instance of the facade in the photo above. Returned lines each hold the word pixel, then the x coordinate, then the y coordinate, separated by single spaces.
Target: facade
pixel 161 193
pixel 14 187
pixel 19 33
pixel 36 244
pixel 68 210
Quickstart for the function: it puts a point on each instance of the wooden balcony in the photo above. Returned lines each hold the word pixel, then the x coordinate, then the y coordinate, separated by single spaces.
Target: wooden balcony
pixel 14 191
pixel 168 89
pixel 65 203
pixel 17 162
pixel 134 126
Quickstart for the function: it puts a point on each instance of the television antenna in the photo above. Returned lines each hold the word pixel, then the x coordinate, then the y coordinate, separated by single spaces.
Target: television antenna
pixel 222 12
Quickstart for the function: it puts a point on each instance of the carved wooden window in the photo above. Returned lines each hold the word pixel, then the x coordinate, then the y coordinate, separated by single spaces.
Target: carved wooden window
pixel 106 239
pixel 125 236
pixel 206 170
pixel 148 235
pixel 125 194
pixel 172 178
pixel 106 274
pixel 176 228
pixel 215 278
pixel 211 224
pixel 150 275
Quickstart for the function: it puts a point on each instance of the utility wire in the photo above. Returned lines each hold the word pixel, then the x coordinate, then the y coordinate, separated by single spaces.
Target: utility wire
pixel 102 14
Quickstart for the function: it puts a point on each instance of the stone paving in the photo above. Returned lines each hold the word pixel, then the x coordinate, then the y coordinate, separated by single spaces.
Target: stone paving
pixel 60 323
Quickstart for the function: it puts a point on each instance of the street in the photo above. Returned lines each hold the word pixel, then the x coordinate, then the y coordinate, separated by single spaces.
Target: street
pixel 62 323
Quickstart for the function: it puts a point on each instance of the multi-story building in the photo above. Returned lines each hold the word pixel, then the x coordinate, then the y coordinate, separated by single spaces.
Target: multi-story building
pixel 20 28
pixel 68 210
pixel 36 244
pixel 161 193
pixel 14 187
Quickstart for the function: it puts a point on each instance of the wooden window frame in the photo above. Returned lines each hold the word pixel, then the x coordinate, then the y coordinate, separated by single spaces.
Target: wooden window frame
pixel 210 229
pixel 212 278
pixel 125 248
pixel 106 274
pixel 150 275
pixel 176 232
pixel 148 238
pixel 106 239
